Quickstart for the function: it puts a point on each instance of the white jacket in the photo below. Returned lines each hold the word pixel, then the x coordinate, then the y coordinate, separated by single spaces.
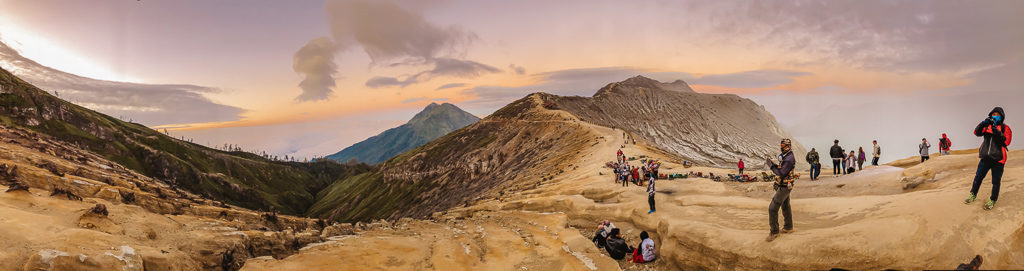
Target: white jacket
pixel 647 250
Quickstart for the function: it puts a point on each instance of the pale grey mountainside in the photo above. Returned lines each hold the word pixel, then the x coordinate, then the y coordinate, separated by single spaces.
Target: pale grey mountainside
pixel 709 129
pixel 434 121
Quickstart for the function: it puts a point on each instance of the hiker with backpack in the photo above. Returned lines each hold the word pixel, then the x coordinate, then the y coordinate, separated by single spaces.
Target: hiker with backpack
pixel 783 187
pixel 992 153
pixel 944 144
pixel 616 246
pixel 923 147
pixel 812 158
pixel 877 153
pixel 837 158
pixel 644 253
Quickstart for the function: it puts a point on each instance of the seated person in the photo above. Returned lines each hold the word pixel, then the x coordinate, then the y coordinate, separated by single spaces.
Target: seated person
pixel 616 246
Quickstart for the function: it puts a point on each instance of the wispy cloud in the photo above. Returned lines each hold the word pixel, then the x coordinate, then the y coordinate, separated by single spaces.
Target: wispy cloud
pixel 451 85
pixel 149 104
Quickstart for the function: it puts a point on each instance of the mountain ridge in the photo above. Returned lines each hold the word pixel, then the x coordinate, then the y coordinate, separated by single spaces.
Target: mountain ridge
pixel 431 123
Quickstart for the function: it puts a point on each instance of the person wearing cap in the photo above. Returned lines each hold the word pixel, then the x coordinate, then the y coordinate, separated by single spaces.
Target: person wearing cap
pixel 993 153
pixel 783 186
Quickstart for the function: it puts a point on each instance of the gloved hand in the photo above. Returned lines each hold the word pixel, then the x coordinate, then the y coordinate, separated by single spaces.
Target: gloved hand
pixel 989 121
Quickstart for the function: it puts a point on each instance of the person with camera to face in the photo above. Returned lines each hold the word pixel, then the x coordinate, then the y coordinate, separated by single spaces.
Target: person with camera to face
pixel 992 154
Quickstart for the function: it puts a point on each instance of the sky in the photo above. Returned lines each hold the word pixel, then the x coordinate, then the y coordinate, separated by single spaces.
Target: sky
pixel 308 78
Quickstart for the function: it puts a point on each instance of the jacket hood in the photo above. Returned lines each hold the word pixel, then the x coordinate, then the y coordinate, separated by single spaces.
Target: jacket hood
pixel 944 135
pixel 1001 113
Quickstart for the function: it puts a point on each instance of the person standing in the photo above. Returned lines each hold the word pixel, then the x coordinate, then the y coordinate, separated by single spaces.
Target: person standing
pixel 944 144
pixel 650 195
pixel 851 163
pixel 837 157
pixel 877 153
pixel 923 147
pixel 992 153
pixel 783 187
pixel 861 157
pixel 812 158
pixel 740 165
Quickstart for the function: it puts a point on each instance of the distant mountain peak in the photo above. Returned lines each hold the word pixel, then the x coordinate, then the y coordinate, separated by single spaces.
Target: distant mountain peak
pixel 433 121
pixel 640 83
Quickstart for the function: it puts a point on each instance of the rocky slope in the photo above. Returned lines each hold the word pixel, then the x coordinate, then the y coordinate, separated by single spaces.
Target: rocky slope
pixel 709 129
pixel 238 178
pixel 521 145
pixel 65 208
pixel 864 221
pixel 434 121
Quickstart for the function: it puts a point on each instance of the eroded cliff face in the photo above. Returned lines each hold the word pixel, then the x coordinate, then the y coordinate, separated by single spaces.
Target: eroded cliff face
pixel 68 209
pixel 709 129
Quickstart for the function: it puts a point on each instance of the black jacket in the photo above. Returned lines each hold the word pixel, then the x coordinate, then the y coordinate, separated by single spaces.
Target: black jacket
pixel 997 137
pixel 617 248
pixel 836 152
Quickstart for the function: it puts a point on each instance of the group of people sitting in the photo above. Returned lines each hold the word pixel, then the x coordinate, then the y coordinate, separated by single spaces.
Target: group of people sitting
pixel 610 238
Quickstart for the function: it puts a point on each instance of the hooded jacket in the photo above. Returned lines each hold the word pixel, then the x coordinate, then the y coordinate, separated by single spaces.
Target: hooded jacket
pixel 617 248
pixel 997 137
pixel 944 143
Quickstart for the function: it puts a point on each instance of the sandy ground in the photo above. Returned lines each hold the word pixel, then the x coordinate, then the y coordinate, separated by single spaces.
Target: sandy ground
pixel 905 215
pixel 865 220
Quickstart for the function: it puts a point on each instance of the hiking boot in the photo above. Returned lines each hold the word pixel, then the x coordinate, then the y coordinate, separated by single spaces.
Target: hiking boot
pixel 990 204
pixel 970 199
pixel 651 211
pixel 771 237
pixel 786 231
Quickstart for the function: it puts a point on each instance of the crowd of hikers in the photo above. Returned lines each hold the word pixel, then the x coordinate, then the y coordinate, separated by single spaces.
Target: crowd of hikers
pixel 992 154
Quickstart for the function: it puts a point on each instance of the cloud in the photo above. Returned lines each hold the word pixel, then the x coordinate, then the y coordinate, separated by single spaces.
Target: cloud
pixel 517 69
pixel 896 35
pixel 442 67
pixel 391 35
pixel 315 60
pixel 750 79
pixel 387 31
pixel 413 100
pixel 149 104
pixel 451 85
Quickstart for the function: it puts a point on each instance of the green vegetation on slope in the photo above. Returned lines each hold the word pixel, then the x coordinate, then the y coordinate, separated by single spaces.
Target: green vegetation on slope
pixel 237 178
pixel 434 121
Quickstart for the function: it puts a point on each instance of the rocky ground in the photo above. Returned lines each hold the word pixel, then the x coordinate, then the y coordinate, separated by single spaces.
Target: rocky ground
pixel 906 217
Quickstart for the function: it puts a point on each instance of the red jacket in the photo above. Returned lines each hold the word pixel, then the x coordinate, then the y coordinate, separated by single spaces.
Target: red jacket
pixel 997 138
pixel 741 164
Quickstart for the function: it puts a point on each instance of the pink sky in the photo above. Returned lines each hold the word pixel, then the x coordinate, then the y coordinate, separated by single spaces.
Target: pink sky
pixel 833 69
